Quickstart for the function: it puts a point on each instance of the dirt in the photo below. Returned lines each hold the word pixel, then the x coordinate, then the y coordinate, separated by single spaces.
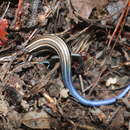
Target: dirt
pixel 32 92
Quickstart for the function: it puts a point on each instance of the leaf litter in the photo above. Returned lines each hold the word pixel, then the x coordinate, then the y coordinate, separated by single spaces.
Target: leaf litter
pixel 32 95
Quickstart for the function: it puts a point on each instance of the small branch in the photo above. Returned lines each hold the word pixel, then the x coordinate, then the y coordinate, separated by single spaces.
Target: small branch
pixel 2 17
pixel 81 84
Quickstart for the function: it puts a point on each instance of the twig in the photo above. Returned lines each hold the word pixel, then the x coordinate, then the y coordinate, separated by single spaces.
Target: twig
pixel 32 21
pixel 122 25
pixel 114 114
pixel 93 22
pixel 86 127
pixel 78 34
pixel 127 63
pixel 50 101
pixel 129 124
pixel 126 102
pixel 30 37
pixel 118 25
pixel 98 78
pixel 5 11
pixel 18 14
pixel 81 84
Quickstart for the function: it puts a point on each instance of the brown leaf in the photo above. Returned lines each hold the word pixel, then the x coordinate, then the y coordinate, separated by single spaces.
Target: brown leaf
pixel 37 120
pixel 118 121
pixel 85 7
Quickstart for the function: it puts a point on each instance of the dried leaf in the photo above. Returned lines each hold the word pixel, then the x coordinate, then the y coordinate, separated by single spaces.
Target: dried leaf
pixel 4 107
pixel 118 121
pixel 3 27
pixel 64 93
pixel 85 7
pixel 99 114
pixel 37 120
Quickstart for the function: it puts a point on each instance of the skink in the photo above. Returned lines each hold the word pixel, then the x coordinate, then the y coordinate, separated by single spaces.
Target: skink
pixel 56 43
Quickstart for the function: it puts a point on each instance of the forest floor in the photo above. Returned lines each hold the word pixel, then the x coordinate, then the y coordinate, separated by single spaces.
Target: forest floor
pixel 33 95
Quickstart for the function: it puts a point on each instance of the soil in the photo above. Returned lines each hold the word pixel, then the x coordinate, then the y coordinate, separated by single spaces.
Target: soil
pixel 32 92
